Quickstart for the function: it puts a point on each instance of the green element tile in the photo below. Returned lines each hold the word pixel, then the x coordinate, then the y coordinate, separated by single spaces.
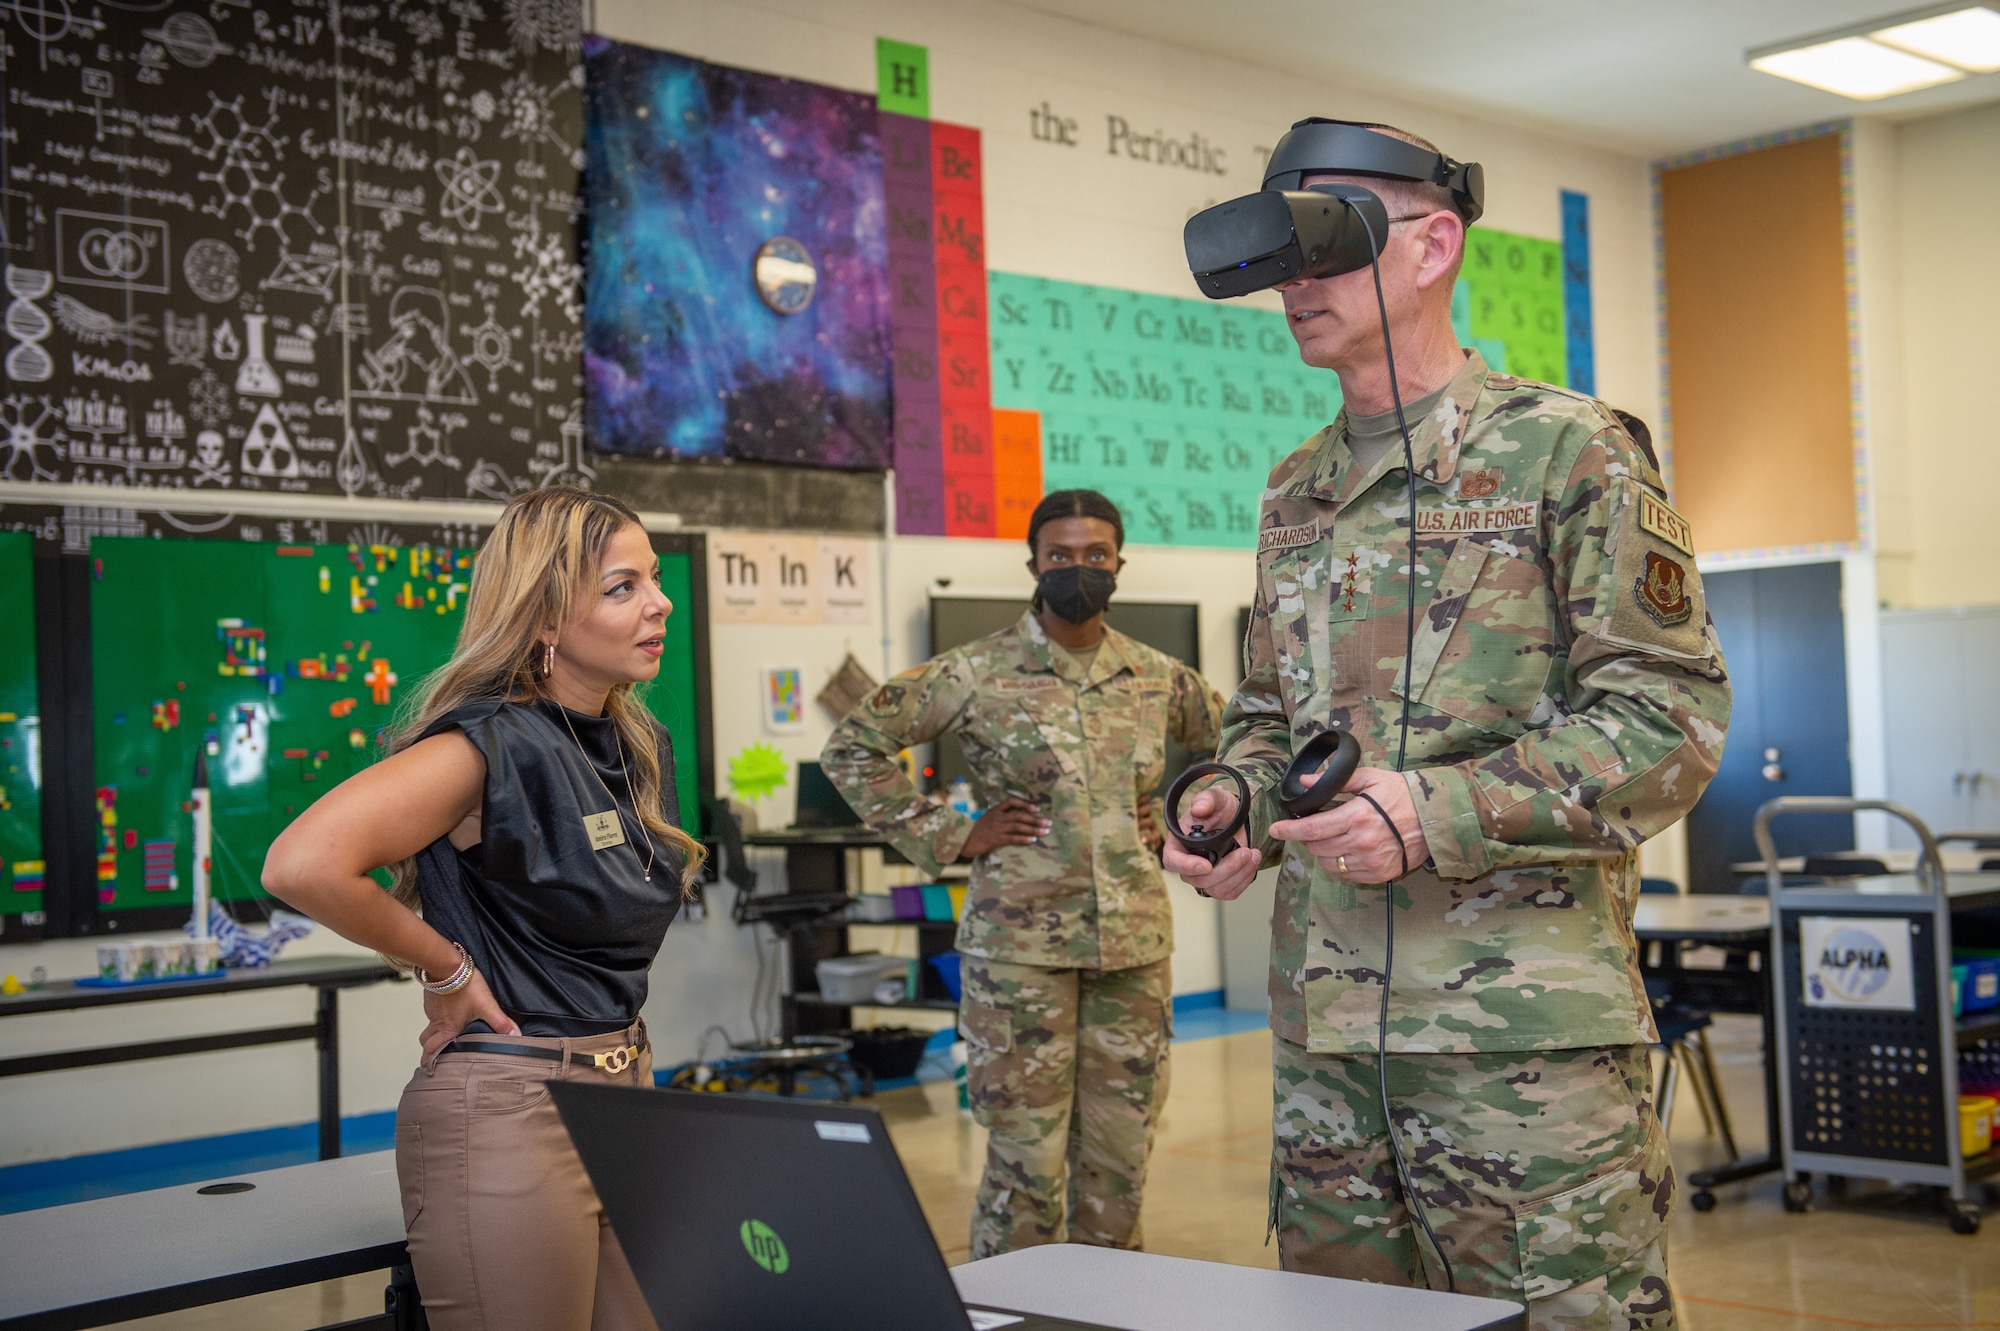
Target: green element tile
pixel 1514 286
pixel 20 730
pixel 903 78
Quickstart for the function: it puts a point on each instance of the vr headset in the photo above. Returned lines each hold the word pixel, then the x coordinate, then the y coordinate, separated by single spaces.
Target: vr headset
pixel 1286 231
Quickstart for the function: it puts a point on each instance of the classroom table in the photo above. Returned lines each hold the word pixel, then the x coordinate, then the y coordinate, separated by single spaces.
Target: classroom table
pixel 336 1218
pixel 327 975
pixel 1142 1291
pixel 1742 927
pixel 1956 860
pixel 179 1247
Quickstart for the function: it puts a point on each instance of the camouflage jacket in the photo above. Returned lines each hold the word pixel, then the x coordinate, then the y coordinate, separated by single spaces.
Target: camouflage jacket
pixel 1569 702
pixel 1084 751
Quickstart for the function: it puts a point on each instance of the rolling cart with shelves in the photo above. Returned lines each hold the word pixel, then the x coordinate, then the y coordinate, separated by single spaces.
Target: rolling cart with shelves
pixel 1872 1091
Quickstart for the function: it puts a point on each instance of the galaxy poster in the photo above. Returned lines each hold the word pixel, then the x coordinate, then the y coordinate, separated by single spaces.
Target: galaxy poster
pixel 318 247
pixel 693 168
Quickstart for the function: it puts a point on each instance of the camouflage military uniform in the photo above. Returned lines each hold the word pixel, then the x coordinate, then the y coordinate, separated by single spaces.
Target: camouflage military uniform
pixel 1067 1004
pixel 1568 701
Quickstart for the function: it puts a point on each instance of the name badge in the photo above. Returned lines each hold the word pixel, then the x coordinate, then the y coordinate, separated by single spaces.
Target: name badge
pixel 605 830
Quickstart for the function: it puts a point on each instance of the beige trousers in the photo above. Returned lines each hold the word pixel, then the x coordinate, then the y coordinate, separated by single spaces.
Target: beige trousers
pixel 506 1233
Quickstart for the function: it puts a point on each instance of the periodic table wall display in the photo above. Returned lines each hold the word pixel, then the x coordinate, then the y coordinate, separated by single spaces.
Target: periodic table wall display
pixel 20 734
pixel 1177 409
pixel 319 247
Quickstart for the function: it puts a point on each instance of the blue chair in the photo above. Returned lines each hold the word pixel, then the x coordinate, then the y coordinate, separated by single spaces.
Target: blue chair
pixel 1659 887
pixel 1684 1043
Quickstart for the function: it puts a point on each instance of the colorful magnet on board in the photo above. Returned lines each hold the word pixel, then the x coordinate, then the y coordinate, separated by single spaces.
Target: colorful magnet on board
pixel 342 706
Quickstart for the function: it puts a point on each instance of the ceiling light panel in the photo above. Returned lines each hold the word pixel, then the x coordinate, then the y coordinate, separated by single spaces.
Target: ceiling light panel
pixel 1856 67
pixel 1969 38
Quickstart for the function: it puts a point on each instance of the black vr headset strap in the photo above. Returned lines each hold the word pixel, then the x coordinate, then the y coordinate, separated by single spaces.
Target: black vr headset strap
pixel 1317 144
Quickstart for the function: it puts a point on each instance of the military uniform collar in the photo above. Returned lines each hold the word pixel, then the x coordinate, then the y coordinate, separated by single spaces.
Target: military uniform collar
pixel 1435 440
pixel 1109 661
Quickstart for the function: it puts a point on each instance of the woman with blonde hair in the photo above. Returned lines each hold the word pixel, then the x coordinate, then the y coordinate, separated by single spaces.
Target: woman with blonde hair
pixel 526 810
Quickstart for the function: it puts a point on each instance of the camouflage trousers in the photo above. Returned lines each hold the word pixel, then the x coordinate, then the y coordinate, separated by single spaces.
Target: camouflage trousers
pixel 1545 1175
pixel 1066 1070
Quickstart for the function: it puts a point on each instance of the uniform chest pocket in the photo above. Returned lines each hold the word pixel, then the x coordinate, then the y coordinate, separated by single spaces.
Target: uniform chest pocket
pixel 1487 639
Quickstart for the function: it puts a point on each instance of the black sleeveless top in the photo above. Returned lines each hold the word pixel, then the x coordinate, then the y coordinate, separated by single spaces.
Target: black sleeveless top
pixel 563 933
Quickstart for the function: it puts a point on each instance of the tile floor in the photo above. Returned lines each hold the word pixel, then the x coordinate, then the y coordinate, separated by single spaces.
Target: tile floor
pixel 1875 1258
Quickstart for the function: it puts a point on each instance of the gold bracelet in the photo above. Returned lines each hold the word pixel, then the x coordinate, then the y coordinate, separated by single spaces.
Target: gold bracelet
pixel 457 980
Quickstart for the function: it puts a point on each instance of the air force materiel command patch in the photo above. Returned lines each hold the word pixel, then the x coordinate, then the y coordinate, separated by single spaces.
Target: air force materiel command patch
pixel 1662 589
pixel 888 699
pixel 1663 522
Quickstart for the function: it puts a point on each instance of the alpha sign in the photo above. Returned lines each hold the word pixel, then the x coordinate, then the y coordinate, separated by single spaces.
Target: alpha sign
pixel 1856 962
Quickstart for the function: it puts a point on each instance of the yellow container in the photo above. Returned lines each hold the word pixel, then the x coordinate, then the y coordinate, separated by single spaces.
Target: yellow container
pixel 958 900
pixel 1975 1124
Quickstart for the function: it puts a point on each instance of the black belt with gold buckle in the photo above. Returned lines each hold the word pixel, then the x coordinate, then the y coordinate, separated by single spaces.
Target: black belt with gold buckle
pixel 614 1060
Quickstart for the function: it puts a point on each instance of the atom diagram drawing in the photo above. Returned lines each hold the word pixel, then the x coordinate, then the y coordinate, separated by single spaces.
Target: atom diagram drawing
pixel 49 21
pixel 553 25
pixel 190 40
pixel 210 267
pixel 470 188
pixel 244 151
pixel 493 348
pixel 22 420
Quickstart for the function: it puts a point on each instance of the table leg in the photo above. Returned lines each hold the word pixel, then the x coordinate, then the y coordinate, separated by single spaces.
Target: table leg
pixel 327 1040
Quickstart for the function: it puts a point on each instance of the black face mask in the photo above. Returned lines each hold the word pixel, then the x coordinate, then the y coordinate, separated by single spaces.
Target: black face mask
pixel 1077 593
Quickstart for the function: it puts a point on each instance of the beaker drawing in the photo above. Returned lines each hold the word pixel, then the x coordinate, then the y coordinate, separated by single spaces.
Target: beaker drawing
pixel 255 377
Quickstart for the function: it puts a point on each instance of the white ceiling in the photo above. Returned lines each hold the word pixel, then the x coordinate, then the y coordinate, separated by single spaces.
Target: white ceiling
pixel 1653 77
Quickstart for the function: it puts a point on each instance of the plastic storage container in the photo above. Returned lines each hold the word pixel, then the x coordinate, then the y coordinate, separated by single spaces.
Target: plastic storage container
pixel 937 903
pixel 1975 1124
pixel 853 979
pixel 909 902
pixel 1981 990
pixel 958 900
pixel 946 965
pixel 1958 971
pixel 872 908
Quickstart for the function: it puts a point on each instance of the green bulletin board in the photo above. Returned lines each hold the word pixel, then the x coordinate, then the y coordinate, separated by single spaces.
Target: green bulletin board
pixel 1177 409
pixel 20 732
pixel 284 662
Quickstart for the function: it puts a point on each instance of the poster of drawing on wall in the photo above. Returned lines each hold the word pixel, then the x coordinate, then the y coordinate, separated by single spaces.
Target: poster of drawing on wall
pixel 738 293
pixel 784 698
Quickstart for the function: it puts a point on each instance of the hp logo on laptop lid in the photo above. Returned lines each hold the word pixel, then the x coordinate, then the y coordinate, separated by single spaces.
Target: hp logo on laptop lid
pixel 765 1247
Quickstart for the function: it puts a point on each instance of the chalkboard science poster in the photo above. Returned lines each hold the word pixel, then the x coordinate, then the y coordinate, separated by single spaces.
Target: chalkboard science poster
pixel 304 247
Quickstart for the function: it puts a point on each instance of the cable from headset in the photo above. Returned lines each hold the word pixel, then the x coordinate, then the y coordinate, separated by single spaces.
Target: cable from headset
pixel 1410 1197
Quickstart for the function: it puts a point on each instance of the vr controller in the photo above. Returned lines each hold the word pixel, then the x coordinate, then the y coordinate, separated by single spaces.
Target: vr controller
pixel 1288 231
pixel 1332 754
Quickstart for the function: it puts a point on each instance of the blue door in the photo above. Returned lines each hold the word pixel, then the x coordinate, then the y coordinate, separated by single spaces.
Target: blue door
pixel 1784 639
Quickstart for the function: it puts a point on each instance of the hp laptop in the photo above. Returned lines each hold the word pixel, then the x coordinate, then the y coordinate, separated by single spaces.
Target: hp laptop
pixel 738 1212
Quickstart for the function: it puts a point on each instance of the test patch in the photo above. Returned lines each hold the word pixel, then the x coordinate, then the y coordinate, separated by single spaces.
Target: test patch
pixel 1663 522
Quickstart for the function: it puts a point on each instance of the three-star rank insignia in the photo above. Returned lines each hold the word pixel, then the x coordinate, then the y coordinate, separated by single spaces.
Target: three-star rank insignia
pixel 1662 591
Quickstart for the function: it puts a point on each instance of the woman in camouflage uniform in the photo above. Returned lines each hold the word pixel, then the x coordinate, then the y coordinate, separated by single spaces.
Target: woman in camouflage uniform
pixel 1067 930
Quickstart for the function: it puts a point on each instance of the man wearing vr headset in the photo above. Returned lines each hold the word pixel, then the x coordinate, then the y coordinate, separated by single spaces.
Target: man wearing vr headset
pixel 1566 700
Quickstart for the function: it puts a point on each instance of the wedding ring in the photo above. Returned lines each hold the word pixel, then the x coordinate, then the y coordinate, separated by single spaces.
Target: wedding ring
pixel 1341 860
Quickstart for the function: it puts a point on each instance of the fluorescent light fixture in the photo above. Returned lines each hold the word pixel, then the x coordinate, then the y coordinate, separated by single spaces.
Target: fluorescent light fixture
pixel 1966 38
pixel 1856 67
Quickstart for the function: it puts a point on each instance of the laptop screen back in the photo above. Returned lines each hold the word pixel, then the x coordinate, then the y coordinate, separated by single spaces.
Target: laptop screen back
pixel 740 1212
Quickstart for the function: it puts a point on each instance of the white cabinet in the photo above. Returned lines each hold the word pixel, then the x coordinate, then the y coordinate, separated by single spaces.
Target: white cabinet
pixel 1941 708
